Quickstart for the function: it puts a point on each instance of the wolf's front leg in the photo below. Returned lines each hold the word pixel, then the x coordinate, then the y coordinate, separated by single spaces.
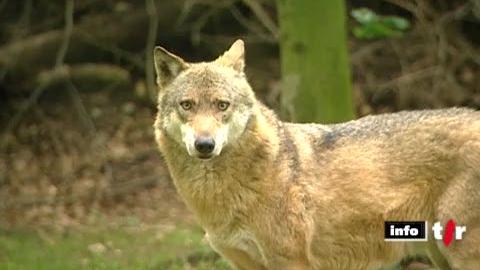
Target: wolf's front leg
pixel 293 266
pixel 241 260
pixel 291 263
pixel 238 258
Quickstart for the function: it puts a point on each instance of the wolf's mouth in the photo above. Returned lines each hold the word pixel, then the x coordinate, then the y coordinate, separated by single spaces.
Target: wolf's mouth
pixel 205 157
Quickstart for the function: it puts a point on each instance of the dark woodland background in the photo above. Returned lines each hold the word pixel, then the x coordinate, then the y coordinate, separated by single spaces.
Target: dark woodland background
pixel 77 102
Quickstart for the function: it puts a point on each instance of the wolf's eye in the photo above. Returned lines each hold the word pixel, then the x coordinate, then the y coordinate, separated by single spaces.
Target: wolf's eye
pixel 223 105
pixel 186 105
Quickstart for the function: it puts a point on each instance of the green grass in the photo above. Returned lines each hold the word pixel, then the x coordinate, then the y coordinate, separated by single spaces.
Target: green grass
pixel 118 249
pixel 128 248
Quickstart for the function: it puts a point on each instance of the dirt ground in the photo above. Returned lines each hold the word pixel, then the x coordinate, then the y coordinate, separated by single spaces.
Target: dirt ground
pixel 81 155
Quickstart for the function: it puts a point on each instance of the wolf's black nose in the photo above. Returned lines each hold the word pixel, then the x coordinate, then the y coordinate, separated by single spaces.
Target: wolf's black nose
pixel 204 145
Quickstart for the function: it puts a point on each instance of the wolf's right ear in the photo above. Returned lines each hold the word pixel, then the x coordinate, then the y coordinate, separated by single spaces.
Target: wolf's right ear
pixel 234 57
pixel 167 65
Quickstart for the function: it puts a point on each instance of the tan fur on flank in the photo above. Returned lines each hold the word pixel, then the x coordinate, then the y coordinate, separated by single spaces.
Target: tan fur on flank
pixel 275 195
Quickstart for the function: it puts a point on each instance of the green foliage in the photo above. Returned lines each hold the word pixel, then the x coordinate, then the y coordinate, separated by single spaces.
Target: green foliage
pixel 104 249
pixel 374 26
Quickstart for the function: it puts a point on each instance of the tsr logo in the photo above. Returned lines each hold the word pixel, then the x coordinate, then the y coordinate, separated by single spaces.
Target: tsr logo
pixel 450 229
pixel 416 231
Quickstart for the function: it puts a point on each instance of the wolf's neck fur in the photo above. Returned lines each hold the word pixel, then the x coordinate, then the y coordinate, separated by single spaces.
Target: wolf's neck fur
pixel 219 182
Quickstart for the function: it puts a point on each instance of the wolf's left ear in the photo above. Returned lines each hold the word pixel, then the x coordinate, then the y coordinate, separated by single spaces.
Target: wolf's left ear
pixel 167 65
pixel 234 57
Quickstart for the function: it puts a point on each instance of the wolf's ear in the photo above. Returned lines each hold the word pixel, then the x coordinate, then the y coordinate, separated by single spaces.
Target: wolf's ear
pixel 234 57
pixel 167 65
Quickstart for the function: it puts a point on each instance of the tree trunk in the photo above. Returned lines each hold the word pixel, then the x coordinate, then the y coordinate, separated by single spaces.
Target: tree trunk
pixel 315 68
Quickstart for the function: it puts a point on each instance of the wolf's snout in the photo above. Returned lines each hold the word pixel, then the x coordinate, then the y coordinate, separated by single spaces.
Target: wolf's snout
pixel 205 145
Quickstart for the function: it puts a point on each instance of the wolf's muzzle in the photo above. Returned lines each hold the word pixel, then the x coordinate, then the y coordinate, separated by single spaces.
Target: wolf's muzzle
pixel 204 145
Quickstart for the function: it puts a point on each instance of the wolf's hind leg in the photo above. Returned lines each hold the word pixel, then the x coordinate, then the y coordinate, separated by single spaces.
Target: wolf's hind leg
pixel 461 202
pixel 465 254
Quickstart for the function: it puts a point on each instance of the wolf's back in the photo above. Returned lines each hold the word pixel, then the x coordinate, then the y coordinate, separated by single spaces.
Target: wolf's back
pixel 397 127
pixel 389 124
pixel 429 143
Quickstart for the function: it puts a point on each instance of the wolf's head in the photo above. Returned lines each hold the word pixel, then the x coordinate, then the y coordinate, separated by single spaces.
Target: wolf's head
pixel 203 106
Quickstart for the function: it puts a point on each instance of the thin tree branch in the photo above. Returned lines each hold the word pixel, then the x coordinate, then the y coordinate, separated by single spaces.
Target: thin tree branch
pixel 151 38
pixel 410 77
pixel 262 16
pixel 33 98
pixel 250 26
pixel 66 34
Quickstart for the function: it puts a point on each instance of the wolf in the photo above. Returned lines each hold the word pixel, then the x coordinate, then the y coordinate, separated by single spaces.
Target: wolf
pixel 277 195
